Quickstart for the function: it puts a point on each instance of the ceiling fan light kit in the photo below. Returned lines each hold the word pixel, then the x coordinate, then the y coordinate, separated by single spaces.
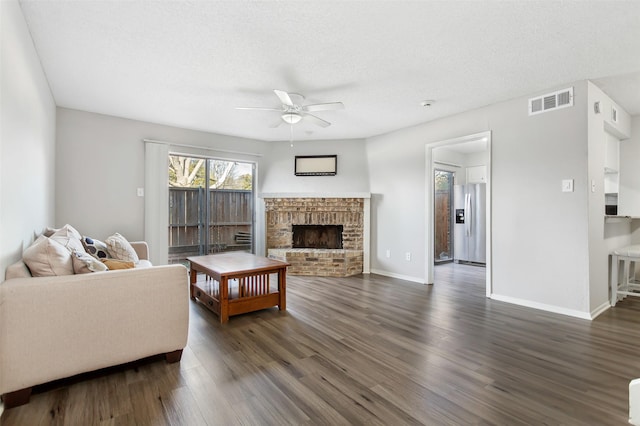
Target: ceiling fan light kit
pixel 291 117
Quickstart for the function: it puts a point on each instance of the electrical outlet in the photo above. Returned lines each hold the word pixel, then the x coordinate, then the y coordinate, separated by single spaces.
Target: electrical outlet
pixel 407 256
pixel 388 253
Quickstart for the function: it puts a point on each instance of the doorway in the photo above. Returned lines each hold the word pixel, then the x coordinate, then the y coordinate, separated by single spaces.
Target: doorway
pixel 443 215
pixel 464 157
pixel 211 206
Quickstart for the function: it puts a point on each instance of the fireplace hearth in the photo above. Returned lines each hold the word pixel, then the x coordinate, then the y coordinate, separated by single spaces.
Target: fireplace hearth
pixel 317 236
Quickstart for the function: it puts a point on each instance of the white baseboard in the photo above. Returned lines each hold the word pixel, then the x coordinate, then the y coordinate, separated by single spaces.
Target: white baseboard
pixel 398 276
pixel 543 307
pixel 600 309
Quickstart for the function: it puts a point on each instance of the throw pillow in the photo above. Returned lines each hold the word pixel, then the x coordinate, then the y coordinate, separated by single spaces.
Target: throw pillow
pixel 114 264
pixel 69 238
pixel 49 231
pixel 46 257
pixel 95 248
pixel 119 248
pixel 84 263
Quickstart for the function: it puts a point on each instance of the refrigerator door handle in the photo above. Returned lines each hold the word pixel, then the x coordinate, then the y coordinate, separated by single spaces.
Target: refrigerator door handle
pixel 467 213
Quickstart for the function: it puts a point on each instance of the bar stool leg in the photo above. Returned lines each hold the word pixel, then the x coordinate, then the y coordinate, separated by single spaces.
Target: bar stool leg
pixel 614 279
pixel 625 277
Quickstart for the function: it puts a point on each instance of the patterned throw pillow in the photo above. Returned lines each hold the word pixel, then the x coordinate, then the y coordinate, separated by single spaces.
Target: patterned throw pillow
pixel 95 248
pixel 84 263
pixel 119 248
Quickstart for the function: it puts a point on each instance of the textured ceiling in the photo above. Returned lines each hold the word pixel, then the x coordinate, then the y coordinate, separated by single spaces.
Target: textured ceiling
pixel 189 64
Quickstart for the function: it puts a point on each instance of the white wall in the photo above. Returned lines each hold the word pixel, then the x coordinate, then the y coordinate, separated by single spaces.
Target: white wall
pixel 27 143
pixel 352 173
pixel 100 164
pixel 539 233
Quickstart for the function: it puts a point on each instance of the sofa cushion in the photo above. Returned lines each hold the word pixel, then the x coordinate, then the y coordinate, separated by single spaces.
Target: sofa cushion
pixel 119 248
pixel 95 248
pixel 46 257
pixel 84 263
pixel 49 231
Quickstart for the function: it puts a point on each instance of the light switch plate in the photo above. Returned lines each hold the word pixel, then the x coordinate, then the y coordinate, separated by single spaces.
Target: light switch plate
pixel 140 192
pixel 567 185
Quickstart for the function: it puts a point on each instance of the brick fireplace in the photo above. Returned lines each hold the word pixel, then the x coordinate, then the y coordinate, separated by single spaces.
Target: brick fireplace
pixel 347 212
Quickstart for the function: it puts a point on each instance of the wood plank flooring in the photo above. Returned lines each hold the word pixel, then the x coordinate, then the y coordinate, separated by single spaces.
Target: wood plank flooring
pixel 370 350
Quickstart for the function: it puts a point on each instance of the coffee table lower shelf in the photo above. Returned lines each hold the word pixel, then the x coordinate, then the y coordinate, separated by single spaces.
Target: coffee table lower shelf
pixel 236 306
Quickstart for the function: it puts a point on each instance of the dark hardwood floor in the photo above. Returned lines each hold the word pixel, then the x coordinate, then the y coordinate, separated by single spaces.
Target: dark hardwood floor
pixel 370 350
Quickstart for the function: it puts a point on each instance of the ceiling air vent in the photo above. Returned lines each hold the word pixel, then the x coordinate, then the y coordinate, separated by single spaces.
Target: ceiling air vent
pixel 556 100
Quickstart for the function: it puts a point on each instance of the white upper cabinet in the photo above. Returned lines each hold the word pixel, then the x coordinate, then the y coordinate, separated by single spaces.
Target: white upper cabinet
pixel 477 174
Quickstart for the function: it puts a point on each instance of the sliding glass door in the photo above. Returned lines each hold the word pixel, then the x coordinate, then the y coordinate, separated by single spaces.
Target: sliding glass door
pixel 211 206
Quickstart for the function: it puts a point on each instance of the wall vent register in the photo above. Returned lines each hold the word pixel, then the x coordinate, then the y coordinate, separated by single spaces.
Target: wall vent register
pixel 551 101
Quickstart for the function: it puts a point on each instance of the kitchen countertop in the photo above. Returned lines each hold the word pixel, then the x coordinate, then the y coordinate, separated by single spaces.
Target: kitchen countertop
pixel 612 218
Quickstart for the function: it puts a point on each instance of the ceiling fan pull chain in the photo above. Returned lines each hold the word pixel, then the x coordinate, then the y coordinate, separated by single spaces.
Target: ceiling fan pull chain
pixel 291 134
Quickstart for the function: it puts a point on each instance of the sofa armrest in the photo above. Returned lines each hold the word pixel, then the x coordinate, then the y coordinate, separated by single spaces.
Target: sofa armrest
pixel 56 327
pixel 141 248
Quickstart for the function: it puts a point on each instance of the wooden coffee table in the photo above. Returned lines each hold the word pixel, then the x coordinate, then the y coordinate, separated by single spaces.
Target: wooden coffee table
pixel 252 275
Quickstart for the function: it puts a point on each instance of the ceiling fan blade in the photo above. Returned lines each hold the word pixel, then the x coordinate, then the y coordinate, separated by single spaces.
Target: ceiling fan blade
pixel 261 109
pixel 284 97
pixel 276 123
pixel 328 106
pixel 316 120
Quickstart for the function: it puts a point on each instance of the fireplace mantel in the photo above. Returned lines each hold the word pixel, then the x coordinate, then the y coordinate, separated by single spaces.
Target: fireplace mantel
pixel 365 195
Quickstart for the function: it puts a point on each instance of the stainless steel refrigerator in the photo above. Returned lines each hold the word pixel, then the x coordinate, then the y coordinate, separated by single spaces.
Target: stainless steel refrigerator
pixel 469 225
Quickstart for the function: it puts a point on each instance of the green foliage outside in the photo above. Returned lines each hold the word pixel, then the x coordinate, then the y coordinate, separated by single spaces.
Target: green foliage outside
pixel 189 172
pixel 443 180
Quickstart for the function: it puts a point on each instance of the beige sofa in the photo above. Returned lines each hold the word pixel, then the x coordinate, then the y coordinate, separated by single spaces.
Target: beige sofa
pixel 59 326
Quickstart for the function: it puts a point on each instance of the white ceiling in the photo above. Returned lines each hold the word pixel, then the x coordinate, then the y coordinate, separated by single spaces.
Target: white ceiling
pixel 189 64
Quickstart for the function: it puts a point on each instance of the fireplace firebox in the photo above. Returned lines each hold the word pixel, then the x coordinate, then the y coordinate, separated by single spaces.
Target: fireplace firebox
pixel 317 236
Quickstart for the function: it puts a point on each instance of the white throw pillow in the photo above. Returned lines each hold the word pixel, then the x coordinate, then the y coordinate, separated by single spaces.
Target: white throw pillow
pixel 49 231
pixel 46 257
pixel 69 238
pixel 84 263
pixel 119 248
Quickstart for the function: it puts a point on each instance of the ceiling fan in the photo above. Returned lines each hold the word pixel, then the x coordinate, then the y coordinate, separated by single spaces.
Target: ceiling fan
pixel 292 111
